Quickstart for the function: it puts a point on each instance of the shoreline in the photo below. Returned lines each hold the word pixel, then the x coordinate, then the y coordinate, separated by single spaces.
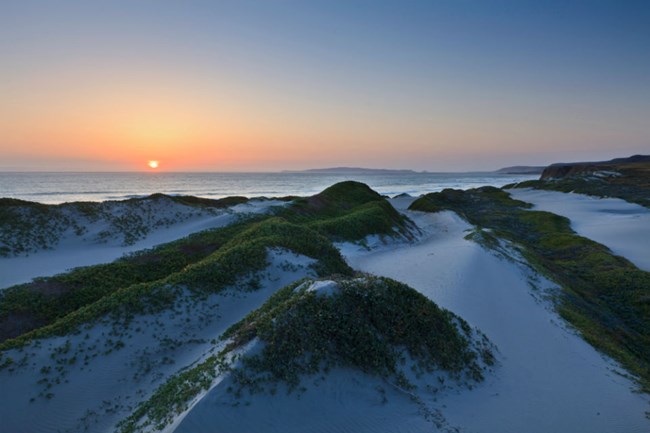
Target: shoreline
pixel 98 187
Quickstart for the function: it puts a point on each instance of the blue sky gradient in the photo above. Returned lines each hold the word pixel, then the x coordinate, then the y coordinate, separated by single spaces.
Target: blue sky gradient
pixel 456 85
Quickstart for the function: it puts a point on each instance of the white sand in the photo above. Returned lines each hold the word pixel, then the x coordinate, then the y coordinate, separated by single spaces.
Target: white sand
pixel 549 378
pixel 347 401
pixel 622 226
pixel 74 251
pixel 97 395
pixel 324 288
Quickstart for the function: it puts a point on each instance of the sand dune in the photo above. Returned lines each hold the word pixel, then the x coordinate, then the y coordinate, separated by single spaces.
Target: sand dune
pixel 546 377
pixel 73 251
pixel 94 396
pixel 344 399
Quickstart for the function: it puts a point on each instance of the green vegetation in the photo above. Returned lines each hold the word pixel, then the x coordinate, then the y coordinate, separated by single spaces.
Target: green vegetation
pixel 347 211
pixel 630 182
pixel 28 306
pixel 605 297
pixel 172 398
pixel 368 324
pixel 205 262
pixel 365 324
pixel 27 226
pixel 190 200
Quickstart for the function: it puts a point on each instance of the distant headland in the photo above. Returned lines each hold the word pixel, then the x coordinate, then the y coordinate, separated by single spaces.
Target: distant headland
pixel 519 169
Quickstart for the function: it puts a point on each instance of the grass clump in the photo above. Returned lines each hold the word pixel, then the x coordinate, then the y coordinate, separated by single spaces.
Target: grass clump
pixel 604 296
pixel 369 324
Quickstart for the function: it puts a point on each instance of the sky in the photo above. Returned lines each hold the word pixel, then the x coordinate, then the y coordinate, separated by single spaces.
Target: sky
pixel 269 85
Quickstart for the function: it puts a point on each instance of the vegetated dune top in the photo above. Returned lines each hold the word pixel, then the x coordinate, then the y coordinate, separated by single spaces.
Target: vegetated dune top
pixel 28 227
pixel 364 323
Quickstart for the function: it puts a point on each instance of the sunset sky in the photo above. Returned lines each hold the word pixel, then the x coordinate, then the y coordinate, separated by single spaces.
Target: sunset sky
pixel 271 85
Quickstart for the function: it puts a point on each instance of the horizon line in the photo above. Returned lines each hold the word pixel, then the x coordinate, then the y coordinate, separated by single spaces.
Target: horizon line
pixel 303 171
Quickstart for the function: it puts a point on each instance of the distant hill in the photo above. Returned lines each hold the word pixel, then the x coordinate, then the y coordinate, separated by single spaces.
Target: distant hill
pixel 631 159
pixel 521 169
pixel 352 170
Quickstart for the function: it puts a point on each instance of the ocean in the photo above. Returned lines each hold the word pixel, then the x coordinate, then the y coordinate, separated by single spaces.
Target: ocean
pixel 54 188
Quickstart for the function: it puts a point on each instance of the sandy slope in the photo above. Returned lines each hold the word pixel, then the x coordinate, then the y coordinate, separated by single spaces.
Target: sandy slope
pixel 74 251
pixel 94 396
pixel 549 378
pixel 346 401
pixel 622 226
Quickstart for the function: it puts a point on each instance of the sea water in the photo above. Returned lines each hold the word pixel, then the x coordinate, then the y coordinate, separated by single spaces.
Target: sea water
pixel 55 188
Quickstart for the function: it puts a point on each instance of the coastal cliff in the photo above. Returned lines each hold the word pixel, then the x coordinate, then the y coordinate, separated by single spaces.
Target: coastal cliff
pixel 624 178
pixel 561 170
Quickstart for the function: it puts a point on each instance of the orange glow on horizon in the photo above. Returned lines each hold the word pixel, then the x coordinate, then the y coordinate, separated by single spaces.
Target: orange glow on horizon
pixel 153 164
pixel 122 127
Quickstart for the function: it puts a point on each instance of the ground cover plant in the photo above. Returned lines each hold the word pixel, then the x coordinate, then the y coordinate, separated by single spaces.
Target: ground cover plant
pixel 365 323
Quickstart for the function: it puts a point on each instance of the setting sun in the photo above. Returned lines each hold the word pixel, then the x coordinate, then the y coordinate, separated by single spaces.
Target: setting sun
pixel 153 164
